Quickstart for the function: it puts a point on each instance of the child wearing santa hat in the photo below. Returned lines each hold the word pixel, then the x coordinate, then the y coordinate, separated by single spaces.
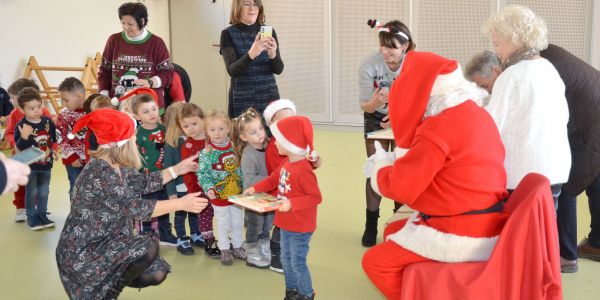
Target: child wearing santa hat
pixel 297 186
pixel 220 177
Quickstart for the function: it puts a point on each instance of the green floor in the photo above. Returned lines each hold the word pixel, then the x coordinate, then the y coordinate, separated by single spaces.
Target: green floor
pixel 29 266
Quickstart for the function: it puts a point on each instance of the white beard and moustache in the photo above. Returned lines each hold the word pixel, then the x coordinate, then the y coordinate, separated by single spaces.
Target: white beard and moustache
pixel 464 92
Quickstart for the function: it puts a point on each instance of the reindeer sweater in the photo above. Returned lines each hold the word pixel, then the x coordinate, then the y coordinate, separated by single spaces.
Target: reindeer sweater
pixel 43 137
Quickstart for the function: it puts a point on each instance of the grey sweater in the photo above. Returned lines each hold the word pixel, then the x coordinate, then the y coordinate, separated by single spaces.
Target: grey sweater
pixel 254 166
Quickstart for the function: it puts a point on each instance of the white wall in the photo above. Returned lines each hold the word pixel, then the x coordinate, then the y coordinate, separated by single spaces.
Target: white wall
pixel 63 32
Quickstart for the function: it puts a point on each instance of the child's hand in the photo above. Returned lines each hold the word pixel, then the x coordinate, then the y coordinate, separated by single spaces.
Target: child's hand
pixel 25 131
pixel 286 205
pixel 211 195
pixel 77 163
pixel 55 154
pixel 193 203
pixel 316 163
pixel 249 191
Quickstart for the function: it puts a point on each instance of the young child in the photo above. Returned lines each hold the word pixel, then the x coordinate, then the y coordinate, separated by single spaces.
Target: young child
pixel 150 141
pixel 15 116
pixel 297 185
pixel 72 92
pixel 220 178
pixel 274 112
pixel 177 188
pixel 36 130
pixel 92 103
pixel 249 139
pixel 190 120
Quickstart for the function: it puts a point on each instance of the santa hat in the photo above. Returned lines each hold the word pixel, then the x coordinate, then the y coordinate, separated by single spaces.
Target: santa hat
pixel 137 91
pixel 276 106
pixel 423 75
pixel 295 134
pixel 112 128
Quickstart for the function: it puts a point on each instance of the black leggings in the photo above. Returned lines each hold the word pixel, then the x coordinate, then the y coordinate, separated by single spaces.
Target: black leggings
pixel 134 275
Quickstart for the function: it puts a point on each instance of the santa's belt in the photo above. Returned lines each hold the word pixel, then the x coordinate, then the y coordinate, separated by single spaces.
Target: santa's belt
pixel 497 207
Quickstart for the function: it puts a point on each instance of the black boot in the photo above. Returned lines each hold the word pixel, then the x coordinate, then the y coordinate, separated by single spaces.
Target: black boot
pixel 275 257
pixel 369 238
pixel 290 294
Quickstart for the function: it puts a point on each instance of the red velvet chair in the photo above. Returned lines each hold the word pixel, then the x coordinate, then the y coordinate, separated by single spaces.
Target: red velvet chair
pixel 525 263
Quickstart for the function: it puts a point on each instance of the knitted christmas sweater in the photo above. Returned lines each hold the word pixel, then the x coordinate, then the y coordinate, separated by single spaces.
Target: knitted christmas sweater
pixel 15 117
pixel 219 171
pixel 188 148
pixel 297 182
pixel 42 137
pixel 124 61
pixel 71 150
pixel 151 144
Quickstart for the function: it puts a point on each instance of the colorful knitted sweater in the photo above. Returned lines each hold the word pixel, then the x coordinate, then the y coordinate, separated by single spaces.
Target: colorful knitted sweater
pixel 71 150
pixel 219 171
pixel 151 147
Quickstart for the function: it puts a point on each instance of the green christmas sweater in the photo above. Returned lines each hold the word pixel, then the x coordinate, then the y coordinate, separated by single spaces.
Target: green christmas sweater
pixel 151 145
pixel 220 172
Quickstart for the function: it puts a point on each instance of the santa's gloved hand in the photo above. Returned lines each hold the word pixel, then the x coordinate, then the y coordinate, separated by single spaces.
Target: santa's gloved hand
pixel 399 152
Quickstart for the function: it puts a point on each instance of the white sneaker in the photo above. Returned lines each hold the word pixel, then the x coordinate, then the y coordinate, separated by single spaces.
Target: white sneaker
pixel 20 215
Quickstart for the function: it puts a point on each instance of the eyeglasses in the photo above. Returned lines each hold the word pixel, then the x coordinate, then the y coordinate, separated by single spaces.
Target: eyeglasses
pixel 250 5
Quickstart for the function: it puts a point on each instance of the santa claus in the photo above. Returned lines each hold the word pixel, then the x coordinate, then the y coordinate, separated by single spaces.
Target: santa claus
pixel 450 171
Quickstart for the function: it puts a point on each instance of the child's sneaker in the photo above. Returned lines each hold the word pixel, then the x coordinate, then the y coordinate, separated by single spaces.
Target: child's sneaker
pixel 276 263
pixel 184 247
pixel 239 253
pixel 197 240
pixel 46 222
pixel 290 294
pixel 34 223
pixel 211 250
pixel 226 258
pixel 20 215
pixel 166 237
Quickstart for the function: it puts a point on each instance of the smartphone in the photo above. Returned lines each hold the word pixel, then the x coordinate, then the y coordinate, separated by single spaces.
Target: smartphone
pixel 266 31
pixel 29 155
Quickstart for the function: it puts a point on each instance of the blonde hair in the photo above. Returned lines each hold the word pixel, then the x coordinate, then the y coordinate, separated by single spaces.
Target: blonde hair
pixel 126 155
pixel 237 129
pixel 519 24
pixel 100 102
pixel 173 131
pixel 215 114
pixel 125 106
pixel 236 11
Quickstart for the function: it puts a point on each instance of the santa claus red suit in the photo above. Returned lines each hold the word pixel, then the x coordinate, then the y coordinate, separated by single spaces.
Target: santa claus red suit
pixel 451 172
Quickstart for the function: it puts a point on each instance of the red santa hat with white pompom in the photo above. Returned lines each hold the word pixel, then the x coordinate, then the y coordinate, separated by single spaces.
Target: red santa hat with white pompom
pixel 112 128
pixel 137 91
pixel 295 134
pixel 276 106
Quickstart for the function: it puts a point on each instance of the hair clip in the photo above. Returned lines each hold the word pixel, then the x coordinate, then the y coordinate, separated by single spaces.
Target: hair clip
pixel 375 24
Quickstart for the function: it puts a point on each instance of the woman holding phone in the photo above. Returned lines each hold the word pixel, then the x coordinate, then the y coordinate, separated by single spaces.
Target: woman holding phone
pixel 252 59
pixel 375 77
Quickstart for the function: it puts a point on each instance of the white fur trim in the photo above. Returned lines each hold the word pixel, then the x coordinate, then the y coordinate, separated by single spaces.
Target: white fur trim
pixel 447 82
pixel 113 144
pixel 285 142
pixel 380 163
pixel 158 82
pixel 440 246
pixel 276 106
pixel 70 136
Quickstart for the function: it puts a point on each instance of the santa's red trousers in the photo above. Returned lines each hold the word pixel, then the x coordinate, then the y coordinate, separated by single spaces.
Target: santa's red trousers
pixel 385 263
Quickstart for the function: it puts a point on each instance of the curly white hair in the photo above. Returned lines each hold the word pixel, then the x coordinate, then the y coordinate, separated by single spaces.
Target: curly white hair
pixel 521 25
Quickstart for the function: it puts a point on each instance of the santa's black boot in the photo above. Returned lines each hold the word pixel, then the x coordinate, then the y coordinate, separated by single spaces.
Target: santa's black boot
pixel 369 238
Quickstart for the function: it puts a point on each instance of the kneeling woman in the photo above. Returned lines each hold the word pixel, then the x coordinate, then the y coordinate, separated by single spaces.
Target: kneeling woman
pixel 97 254
pixel 452 172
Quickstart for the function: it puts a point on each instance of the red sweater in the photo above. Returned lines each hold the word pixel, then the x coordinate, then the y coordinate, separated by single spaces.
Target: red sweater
pixel 71 150
pixel 188 148
pixel 124 61
pixel 272 156
pixel 297 182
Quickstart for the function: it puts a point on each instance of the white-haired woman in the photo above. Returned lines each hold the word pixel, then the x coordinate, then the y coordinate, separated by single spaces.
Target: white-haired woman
pixel 528 99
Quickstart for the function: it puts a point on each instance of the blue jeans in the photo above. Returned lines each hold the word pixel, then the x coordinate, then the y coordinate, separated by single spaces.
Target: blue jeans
pixel 259 225
pixel 37 187
pixel 567 220
pixel 72 174
pixel 294 249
